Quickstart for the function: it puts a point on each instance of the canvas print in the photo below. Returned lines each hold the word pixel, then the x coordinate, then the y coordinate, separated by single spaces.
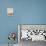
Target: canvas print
pixel 10 11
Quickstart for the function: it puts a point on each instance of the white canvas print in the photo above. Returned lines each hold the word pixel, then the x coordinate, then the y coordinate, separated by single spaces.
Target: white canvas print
pixel 10 11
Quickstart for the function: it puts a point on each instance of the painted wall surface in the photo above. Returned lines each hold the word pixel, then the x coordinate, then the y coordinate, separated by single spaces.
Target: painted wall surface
pixel 25 12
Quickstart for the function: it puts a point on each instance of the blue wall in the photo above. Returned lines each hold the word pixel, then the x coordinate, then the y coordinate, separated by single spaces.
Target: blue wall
pixel 25 12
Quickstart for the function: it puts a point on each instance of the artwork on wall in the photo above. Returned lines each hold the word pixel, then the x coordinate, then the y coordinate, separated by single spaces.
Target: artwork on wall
pixel 10 11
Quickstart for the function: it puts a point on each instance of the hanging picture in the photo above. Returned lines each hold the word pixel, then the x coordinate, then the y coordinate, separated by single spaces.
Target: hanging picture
pixel 10 11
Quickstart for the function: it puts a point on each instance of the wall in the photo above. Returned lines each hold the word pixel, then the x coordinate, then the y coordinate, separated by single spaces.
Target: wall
pixel 25 12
